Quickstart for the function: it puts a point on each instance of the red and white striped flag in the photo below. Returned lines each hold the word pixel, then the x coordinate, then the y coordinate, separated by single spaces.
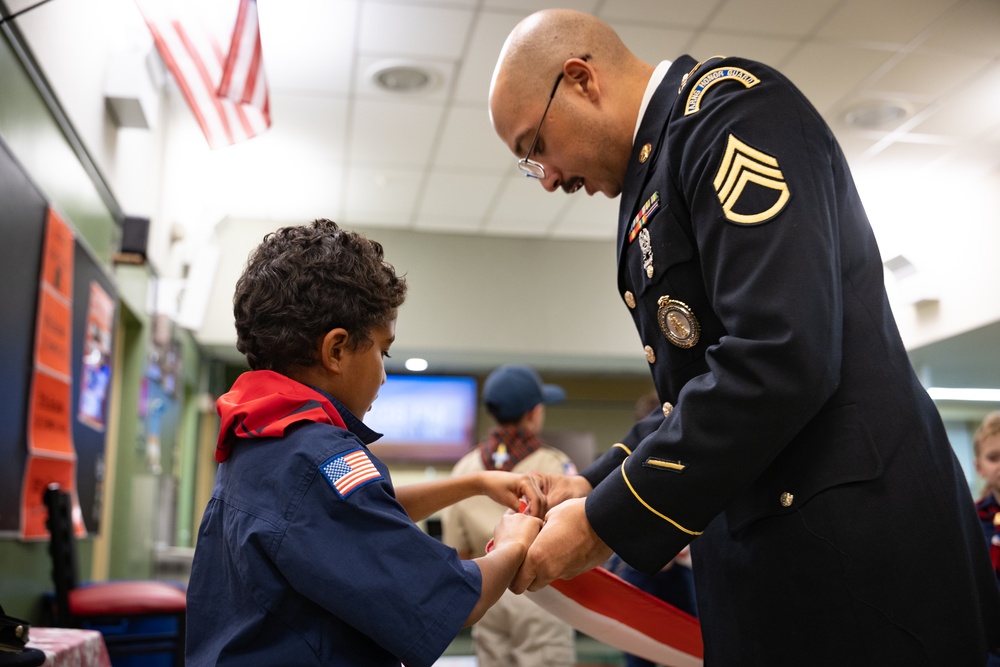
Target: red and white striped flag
pixel 608 608
pixel 226 91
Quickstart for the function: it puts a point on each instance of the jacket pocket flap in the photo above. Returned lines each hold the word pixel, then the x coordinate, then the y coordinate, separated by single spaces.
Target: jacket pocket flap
pixel 835 448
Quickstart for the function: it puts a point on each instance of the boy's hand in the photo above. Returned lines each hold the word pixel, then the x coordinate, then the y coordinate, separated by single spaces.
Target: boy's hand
pixel 511 489
pixel 565 547
pixel 515 528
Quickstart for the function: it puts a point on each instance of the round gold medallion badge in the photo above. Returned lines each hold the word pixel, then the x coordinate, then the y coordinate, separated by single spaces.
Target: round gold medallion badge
pixel 677 322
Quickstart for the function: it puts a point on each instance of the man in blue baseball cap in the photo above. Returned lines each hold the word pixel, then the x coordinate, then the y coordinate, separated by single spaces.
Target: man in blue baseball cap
pixel 515 631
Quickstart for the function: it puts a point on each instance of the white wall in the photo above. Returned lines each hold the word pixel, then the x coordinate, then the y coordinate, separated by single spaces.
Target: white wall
pixel 479 300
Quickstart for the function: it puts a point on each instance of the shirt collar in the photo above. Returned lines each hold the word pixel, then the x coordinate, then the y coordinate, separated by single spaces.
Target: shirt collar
pixel 353 424
pixel 654 82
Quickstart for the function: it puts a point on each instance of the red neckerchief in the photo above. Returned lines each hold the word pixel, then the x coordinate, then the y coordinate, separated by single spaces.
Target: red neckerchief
pixel 516 445
pixel 263 404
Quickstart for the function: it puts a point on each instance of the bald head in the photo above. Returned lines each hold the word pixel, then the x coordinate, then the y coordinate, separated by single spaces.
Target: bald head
pixel 538 46
pixel 581 137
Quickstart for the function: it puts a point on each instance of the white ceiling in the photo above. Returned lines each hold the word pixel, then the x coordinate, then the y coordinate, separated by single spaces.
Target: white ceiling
pixel 431 162
pixel 341 148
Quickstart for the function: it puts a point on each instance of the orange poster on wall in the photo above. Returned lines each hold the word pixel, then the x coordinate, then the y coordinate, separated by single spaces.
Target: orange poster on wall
pixel 49 427
pixel 51 453
pixel 39 473
pixel 57 255
pixel 54 333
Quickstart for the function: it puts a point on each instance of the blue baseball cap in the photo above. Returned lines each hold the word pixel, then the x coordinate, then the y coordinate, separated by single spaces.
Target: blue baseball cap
pixel 512 390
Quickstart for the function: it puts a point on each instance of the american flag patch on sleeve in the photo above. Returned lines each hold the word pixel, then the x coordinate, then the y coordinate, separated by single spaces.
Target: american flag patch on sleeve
pixel 349 471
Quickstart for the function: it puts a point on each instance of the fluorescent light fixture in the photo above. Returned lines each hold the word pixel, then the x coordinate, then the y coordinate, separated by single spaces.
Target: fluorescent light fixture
pixel 964 394
pixel 416 364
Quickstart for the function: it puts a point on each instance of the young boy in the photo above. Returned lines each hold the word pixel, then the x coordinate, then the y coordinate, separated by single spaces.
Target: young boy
pixel 986 444
pixel 306 554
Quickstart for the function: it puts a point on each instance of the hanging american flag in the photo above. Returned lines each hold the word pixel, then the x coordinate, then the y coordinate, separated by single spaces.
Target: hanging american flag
pixel 347 472
pixel 226 90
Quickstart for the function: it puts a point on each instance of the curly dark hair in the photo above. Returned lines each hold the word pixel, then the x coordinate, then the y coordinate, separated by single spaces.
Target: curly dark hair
pixel 303 281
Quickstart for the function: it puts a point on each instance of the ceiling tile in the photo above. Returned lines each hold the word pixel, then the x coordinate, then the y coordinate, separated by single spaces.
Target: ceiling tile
pixel 488 33
pixel 469 142
pixel 971 27
pixel 308 50
pixel 525 7
pixel 906 156
pixel 388 29
pixel 383 197
pixel 393 133
pixel 928 74
pixel 968 111
pixel 663 13
pixel 825 86
pixel 653 44
pixel 770 17
pixel 896 21
pixel 771 51
pixel 451 194
pixel 15 6
pixel 524 204
pixel 468 4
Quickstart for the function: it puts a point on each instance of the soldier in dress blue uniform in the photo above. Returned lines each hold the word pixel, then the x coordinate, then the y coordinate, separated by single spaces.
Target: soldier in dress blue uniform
pixel 797 452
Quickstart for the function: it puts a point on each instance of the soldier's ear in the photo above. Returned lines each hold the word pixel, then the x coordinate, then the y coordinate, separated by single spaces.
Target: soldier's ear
pixel 581 74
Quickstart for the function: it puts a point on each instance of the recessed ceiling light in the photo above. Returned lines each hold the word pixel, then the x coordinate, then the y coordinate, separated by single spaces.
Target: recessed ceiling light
pixel 398 76
pixel 874 114
pixel 416 364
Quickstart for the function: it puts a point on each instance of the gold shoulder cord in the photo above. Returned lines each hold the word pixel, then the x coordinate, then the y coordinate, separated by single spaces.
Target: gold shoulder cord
pixel 684 79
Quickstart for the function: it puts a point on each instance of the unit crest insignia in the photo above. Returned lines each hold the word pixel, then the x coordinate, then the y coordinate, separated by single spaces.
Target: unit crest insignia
pixel 750 184
pixel 677 322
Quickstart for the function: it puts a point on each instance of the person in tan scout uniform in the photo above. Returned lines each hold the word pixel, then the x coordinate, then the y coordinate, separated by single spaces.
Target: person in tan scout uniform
pixel 515 632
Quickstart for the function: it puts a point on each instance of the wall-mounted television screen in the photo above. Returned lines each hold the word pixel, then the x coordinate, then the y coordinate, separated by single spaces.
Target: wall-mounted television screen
pixel 424 418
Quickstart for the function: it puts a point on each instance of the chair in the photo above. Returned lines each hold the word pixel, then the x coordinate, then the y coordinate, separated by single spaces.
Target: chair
pixel 103 605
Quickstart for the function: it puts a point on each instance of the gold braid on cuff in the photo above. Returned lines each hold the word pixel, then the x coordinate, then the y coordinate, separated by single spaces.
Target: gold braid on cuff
pixel 650 508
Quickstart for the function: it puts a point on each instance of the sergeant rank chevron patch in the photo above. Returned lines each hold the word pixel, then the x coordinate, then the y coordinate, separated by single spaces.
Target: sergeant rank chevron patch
pixel 750 184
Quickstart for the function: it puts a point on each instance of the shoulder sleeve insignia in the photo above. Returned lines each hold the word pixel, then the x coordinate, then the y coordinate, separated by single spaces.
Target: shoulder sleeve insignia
pixel 750 185
pixel 349 471
pixel 713 77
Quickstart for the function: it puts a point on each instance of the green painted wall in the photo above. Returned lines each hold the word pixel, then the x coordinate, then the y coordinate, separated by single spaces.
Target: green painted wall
pixel 44 146
pixel 36 139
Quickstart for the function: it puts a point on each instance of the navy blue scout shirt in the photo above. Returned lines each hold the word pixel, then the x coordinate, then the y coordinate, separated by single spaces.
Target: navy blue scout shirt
pixel 292 570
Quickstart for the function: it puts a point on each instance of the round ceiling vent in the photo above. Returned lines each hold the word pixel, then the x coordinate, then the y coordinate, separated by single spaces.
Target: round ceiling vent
pixel 403 77
pixel 877 114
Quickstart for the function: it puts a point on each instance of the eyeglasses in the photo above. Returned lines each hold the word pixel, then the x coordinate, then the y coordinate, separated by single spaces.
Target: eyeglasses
pixel 529 167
